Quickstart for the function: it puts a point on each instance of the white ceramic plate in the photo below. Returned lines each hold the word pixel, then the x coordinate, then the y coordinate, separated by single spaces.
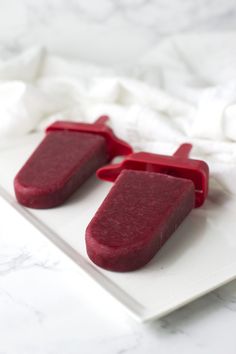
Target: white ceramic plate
pixel 199 257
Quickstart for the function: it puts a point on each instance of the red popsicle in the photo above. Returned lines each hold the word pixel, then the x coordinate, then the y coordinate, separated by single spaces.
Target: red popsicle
pixel 150 198
pixel 69 154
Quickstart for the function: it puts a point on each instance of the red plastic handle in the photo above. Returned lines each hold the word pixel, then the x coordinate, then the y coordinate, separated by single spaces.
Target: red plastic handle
pixel 178 165
pixel 115 146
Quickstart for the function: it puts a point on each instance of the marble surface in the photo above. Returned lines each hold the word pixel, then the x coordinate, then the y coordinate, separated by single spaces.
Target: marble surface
pixel 46 306
pixel 113 31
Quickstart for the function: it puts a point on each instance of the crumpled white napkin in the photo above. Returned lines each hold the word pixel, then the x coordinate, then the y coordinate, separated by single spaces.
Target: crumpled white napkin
pixel 182 90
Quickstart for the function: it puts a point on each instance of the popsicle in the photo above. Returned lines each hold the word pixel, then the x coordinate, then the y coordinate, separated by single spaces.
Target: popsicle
pixel 151 196
pixel 68 155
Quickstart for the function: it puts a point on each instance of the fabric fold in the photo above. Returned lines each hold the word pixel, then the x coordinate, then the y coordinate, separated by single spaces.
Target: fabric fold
pixel 182 90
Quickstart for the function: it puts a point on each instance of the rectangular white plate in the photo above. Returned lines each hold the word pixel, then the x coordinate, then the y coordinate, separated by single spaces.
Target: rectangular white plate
pixel 199 257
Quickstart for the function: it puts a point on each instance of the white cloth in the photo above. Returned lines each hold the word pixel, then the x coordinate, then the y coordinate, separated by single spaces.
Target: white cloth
pixel 183 90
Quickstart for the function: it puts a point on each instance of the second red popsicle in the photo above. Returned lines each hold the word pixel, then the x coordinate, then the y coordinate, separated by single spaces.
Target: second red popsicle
pixel 151 196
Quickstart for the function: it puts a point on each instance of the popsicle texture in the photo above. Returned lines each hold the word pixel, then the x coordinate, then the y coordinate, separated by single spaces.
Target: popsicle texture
pixel 60 164
pixel 137 217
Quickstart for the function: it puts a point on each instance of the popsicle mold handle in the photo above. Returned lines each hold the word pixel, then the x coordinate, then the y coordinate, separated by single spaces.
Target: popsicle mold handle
pixel 101 120
pixel 178 165
pixel 183 150
pixel 115 146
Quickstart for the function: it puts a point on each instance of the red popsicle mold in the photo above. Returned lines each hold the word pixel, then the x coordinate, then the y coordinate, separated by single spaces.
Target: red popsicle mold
pixel 178 165
pixel 115 146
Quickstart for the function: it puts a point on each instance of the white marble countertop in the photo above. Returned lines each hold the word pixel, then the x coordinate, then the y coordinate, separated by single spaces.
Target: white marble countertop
pixel 44 302
pixel 47 306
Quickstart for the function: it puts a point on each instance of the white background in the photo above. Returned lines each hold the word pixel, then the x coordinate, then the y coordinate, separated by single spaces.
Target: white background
pixel 106 31
pixel 45 305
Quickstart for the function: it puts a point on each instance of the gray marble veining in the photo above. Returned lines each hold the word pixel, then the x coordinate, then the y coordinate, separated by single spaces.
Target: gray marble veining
pixel 115 32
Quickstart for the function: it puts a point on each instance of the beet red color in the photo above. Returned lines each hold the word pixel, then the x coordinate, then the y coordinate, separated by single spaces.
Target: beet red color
pixel 60 164
pixel 151 196
pixel 177 165
pixel 138 216
pixel 68 155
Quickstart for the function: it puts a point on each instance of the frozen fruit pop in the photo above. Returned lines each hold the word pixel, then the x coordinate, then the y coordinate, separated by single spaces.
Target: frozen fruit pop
pixel 150 198
pixel 67 156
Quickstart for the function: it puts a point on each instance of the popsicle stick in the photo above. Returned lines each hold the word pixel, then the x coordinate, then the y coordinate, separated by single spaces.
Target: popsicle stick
pixel 101 120
pixel 183 150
